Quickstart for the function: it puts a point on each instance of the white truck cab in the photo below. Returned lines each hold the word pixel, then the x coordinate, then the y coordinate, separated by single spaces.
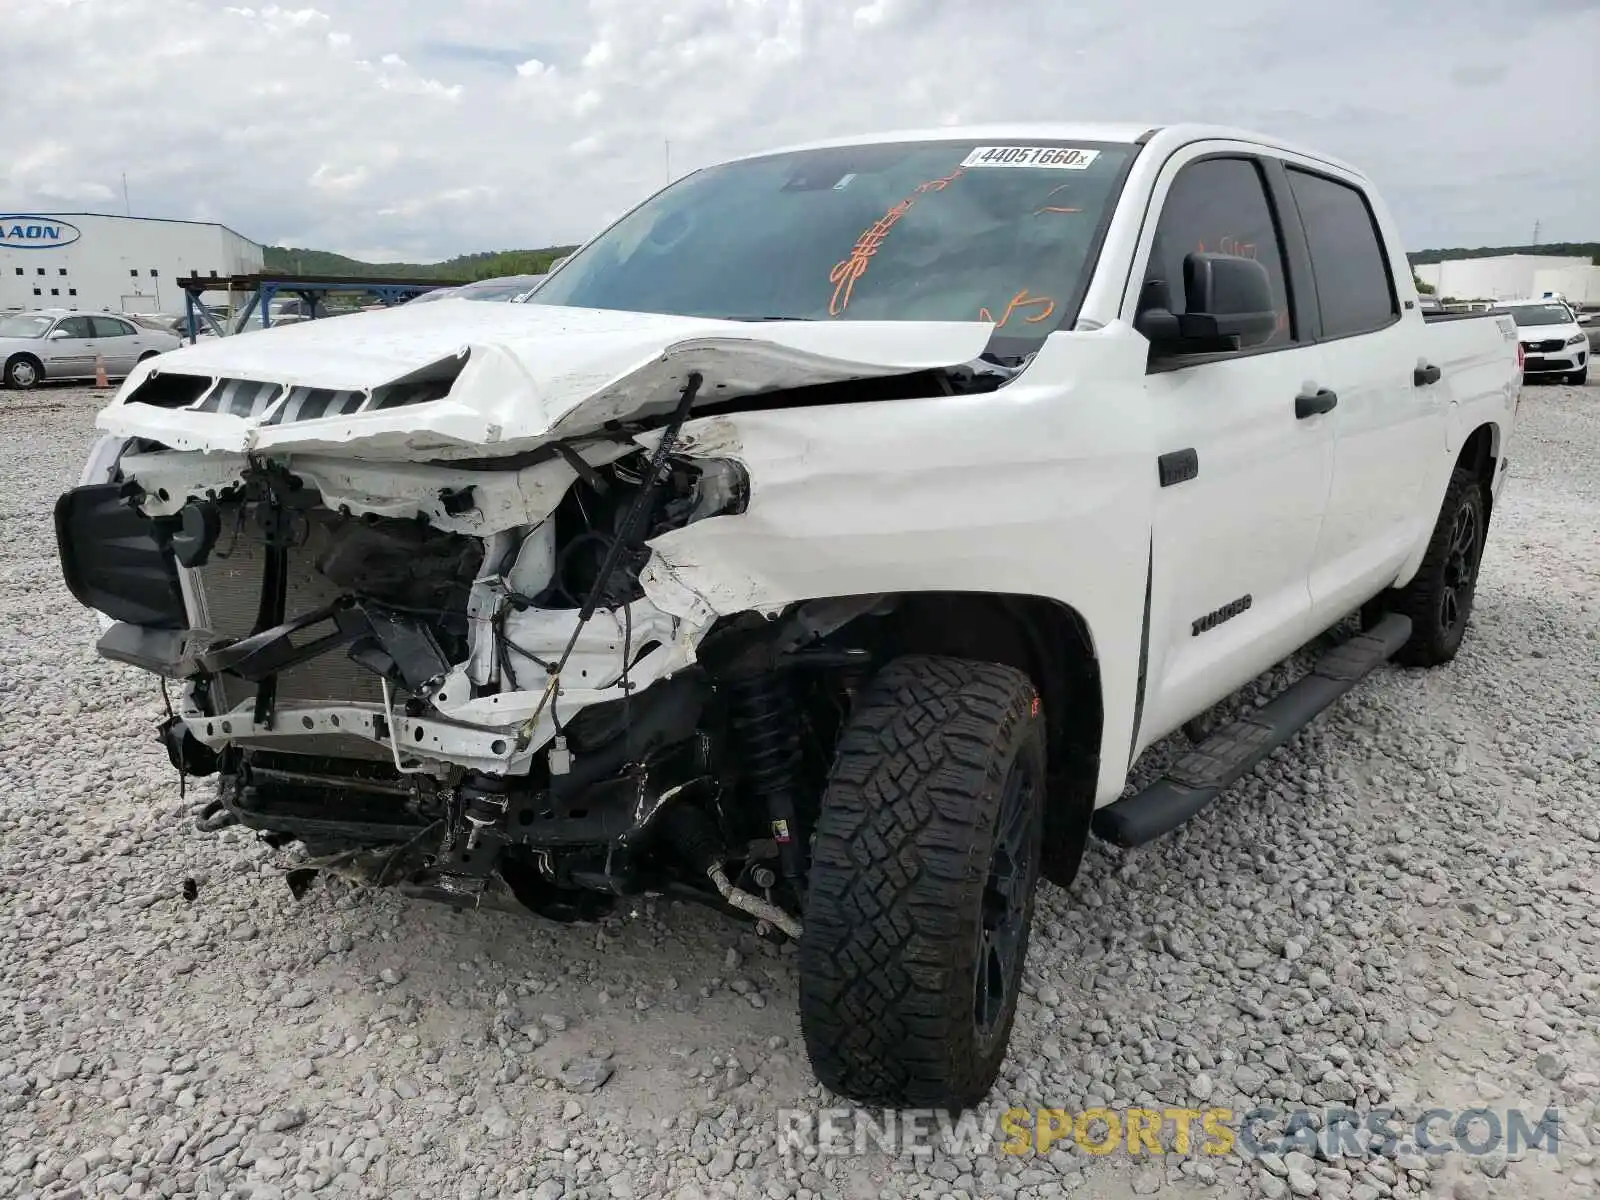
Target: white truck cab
pixel 824 541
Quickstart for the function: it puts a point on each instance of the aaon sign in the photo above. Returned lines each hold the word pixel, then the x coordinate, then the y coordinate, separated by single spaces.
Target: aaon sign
pixel 20 231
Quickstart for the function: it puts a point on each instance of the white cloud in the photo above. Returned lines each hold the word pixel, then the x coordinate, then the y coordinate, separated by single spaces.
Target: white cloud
pixel 365 123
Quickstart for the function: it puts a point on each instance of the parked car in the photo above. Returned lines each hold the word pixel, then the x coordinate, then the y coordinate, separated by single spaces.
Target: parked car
pixel 1553 343
pixel 61 344
pixel 823 542
pixel 505 289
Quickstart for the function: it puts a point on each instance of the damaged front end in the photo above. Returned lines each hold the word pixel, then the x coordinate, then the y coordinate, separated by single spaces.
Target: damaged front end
pixel 446 677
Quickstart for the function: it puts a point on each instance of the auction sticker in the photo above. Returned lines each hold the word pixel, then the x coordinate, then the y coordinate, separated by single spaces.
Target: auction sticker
pixel 1062 158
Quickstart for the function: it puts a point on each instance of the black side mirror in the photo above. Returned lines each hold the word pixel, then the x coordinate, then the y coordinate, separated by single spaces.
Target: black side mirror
pixel 1228 306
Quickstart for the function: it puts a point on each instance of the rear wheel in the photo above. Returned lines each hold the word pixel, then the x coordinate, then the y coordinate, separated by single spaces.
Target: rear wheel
pixel 920 896
pixel 1439 599
pixel 22 372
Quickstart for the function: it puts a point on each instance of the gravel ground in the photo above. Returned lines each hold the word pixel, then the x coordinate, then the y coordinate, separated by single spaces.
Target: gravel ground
pixel 1400 909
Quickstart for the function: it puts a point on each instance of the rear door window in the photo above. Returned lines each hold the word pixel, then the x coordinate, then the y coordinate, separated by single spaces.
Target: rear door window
pixel 1354 288
pixel 108 327
pixel 1220 206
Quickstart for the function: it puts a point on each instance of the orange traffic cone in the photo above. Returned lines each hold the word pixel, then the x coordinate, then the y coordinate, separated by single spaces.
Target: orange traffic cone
pixel 100 380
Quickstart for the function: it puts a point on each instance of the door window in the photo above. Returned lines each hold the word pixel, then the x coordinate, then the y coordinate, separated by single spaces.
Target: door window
pixel 1219 206
pixel 1354 288
pixel 76 327
pixel 110 327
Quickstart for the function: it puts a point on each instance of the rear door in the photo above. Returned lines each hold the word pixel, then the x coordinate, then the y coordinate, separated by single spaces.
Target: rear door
pixel 1243 480
pixel 69 349
pixel 119 343
pixel 1389 423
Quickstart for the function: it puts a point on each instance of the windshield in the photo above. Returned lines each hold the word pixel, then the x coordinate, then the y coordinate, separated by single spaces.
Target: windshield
pixel 1540 314
pixel 913 231
pixel 30 326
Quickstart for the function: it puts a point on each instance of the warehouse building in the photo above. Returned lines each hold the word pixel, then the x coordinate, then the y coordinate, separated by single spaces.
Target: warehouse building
pixel 1502 277
pixel 96 262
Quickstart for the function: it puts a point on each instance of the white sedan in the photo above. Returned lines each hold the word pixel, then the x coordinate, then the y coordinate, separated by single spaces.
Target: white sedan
pixel 58 344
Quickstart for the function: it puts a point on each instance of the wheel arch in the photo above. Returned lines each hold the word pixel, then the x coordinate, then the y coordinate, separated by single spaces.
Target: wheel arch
pixel 1480 454
pixel 1052 644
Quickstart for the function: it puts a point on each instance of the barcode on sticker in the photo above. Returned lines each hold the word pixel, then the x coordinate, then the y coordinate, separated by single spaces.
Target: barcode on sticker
pixel 1061 158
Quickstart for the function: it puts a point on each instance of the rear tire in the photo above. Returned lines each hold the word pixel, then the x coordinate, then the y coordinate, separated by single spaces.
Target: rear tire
pixel 1439 599
pixel 22 372
pixel 922 882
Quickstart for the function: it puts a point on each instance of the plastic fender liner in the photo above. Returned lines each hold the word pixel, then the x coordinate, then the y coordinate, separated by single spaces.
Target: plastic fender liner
pixel 113 560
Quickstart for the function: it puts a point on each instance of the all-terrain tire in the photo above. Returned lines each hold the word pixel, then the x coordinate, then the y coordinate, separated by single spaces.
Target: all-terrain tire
pixel 1439 598
pixel 920 895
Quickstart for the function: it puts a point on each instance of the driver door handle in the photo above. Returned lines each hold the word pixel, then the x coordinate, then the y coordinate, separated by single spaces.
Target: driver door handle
pixel 1320 401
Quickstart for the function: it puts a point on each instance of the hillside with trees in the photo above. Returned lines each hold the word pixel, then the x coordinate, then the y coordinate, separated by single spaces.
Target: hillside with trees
pixel 1589 250
pixel 295 260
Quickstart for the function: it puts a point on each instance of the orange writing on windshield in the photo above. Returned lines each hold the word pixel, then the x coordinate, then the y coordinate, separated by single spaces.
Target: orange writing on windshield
pixel 1055 208
pixel 1020 302
pixel 845 274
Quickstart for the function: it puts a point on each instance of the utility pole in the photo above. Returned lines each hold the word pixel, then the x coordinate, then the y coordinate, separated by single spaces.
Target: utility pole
pixel 1536 231
pixel 127 208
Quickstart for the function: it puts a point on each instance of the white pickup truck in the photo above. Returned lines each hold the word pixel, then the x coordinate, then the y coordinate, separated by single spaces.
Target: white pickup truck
pixel 824 541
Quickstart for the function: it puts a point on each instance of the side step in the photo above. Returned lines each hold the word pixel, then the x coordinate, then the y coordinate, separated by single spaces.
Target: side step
pixel 1202 775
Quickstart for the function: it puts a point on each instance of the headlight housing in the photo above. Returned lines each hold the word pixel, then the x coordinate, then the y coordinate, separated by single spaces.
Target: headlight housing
pixel 1577 339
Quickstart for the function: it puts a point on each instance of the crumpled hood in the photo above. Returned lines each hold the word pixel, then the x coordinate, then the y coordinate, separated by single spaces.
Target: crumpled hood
pixel 459 379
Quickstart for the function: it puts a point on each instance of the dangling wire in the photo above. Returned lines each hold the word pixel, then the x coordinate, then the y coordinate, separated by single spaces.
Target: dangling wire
pixel 624 540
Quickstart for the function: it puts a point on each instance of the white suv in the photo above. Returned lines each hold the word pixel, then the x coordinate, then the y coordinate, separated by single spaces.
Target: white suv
pixel 1552 342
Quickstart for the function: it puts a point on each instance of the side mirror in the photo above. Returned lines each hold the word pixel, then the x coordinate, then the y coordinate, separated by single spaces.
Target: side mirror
pixel 57 335
pixel 554 266
pixel 1228 306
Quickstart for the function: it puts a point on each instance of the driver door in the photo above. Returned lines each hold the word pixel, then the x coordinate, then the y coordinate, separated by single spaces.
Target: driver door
pixel 1242 480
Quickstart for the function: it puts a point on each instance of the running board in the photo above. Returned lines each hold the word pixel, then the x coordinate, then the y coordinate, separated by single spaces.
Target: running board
pixel 1206 771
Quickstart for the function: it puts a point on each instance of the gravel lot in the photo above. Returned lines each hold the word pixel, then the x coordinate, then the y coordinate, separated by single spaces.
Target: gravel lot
pixel 1402 908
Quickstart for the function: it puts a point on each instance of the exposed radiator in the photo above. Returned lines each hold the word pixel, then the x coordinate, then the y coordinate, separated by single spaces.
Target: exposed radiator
pixel 226 594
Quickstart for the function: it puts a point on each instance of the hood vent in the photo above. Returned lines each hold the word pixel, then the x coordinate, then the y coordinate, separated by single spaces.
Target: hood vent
pixel 274 403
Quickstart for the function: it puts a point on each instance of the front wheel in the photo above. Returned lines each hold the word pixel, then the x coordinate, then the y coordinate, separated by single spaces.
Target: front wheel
pixel 920 897
pixel 22 372
pixel 1579 378
pixel 1439 599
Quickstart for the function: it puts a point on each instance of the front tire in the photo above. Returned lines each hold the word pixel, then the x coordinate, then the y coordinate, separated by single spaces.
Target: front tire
pixel 920 896
pixel 1579 378
pixel 22 372
pixel 1439 599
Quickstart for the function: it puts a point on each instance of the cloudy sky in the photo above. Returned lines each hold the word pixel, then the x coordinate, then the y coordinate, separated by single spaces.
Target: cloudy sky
pixel 419 129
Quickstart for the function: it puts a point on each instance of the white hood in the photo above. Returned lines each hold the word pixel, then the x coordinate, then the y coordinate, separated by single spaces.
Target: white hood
pixel 523 373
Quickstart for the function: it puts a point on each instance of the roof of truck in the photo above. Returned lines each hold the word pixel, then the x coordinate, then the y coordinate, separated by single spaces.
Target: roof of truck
pixel 1170 136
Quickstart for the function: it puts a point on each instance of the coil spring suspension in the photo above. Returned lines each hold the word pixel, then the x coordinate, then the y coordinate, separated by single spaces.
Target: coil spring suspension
pixel 766 723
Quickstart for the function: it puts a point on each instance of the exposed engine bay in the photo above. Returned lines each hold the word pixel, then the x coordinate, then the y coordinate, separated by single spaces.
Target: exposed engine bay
pixel 449 678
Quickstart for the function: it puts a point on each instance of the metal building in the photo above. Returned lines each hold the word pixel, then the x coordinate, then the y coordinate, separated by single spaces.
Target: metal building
pixel 1502 277
pixel 97 262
